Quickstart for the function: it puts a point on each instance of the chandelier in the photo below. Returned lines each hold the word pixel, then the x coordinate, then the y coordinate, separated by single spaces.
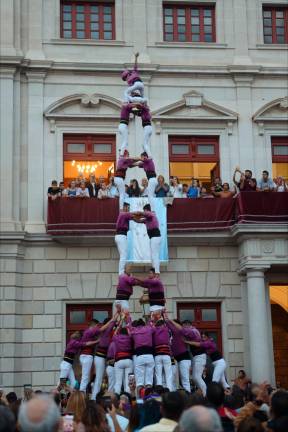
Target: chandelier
pixel 86 167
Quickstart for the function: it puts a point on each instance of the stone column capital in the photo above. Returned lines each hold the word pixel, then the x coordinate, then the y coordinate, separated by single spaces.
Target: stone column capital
pixel 36 76
pixel 7 72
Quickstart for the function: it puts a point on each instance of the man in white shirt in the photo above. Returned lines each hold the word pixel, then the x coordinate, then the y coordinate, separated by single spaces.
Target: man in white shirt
pixel 266 184
pixel 172 407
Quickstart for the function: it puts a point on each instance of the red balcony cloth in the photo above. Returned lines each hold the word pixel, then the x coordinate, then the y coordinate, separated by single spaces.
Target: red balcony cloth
pixel 262 207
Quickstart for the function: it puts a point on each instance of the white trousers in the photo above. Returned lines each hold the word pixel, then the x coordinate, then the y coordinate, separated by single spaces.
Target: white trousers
pixel 123 131
pixel 121 243
pixel 147 136
pixel 86 361
pixel 155 243
pixel 122 369
pixel 163 362
pixel 144 368
pixel 111 378
pixel 99 363
pixel 174 377
pixel 219 372
pixel 199 363
pixel 152 183
pixel 184 372
pixel 66 371
pixel 120 184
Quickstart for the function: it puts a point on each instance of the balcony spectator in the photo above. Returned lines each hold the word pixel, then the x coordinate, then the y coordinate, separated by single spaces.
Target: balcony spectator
pixel 134 189
pixel 246 183
pixel 82 191
pixel 71 191
pixel 185 188
pixel 144 187
pixel 54 190
pixel 112 189
pixel 62 188
pixel 79 179
pixel 193 191
pixel 204 193
pixel 126 194
pixel 103 192
pixel 226 192
pixel 162 188
pixel 175 190
pixel 217 184
pixel 266 184
pixel 280 184
pixel 92 186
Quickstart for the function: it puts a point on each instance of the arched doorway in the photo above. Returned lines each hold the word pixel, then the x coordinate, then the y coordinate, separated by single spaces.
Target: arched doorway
pixel 279 315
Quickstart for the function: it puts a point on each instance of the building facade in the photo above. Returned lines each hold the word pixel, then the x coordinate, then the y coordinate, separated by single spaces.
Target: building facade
pixel 215 74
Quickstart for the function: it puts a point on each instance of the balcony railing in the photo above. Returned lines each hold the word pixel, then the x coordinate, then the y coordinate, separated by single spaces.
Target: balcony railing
pixel 98 217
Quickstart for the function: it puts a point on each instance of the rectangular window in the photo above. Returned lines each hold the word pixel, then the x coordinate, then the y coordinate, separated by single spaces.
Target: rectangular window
pixel 194 156
pixel 87 20
pixel 189 23
pixel 88 154
pixel 275 25
pixel 78 316
pixel 280 157
pixel 204 316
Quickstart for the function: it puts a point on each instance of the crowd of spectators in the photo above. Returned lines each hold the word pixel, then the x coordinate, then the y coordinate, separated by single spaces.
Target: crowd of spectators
pixel 246 407
pixel 91 188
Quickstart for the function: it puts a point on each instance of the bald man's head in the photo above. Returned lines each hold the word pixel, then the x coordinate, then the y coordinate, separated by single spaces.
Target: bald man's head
pixel 40 414
pixel 200 419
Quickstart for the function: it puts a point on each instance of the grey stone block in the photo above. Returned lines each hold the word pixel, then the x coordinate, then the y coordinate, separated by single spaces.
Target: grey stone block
pixel 235 331
pixel 67 266
pixel 186 252
pixel 55 280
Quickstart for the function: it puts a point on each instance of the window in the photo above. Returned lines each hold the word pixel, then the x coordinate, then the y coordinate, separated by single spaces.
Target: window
pixel 87 20
pixel 79 316
pixel 275 25
pixel 204 316
pixel 88 154
pixel 280 157
pixel 187 23
pixel 191 156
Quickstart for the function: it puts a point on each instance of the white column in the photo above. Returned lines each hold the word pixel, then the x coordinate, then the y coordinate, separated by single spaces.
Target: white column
pixel 35 26
pixel 7 28
pixel 6 148
pixel 241 55
pixel 261 368
pixel 35 175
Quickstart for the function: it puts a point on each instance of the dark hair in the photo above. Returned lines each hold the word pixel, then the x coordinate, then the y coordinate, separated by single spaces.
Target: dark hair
pixel 134 192
pixel 144 154
pixel 193 399
pixel 160 322
pixel 152 269
pixel 187 322
pixel 279 403
pixel 125 203
pixel 281 424
pixel 54 182
pixel 226 183
pixel 11 397
pixel 247 170
pixel 123 331
pixel 94 321
pixel 215 394
pixel 140 322
pixel 150 413
pixel 265 172
pixel 106 320
pixel 134 323
pixel 94 418
pixel 147 207
pixel 7 420
pixel 134 418
pixel 250 424
pixel 205 334
pixel 172 405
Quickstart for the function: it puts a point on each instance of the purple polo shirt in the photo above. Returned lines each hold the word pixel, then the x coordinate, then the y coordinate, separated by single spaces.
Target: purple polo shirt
pixel 124 163
pixel 161 340
pixel 149 167
pixel 104 341
pixel 73 346
pixel 123 346
pixel 133 76
pixel 151 220
pixel 89 335
pixel 125 286
pixel 178 345
pixel 111 351
pixel 122 224
pixel 142 339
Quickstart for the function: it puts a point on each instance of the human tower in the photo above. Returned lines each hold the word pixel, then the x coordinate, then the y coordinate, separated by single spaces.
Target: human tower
pixel 160 349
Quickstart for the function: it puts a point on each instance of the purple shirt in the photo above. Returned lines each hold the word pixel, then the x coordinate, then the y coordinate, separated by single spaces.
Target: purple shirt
pixel 133 76
pixel 124 163
pixel 73 346
pixel 209 346
pixel 123 346
pixel 153 285
pixel 142 336
pixel 90 333
pixel 178 345
pixel 111 351
pixel 161 335
pixel 105 337
pixel 123 219
pixel 151 220
pixel 147 165
pixel 125 286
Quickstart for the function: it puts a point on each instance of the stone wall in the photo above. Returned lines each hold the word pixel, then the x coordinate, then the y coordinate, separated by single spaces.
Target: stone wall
pixel 37 285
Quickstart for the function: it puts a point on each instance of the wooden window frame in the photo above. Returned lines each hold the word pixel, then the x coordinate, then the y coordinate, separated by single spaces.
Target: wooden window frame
pixel 273 10
pixel 89 308
pixel 276 142
pixel 87 20
pixel 188 32
pixel 193 142
pixel 89 140
pixel 215 326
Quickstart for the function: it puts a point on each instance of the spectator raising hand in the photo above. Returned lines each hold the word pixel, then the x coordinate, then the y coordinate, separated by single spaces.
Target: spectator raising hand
pixel 162 188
